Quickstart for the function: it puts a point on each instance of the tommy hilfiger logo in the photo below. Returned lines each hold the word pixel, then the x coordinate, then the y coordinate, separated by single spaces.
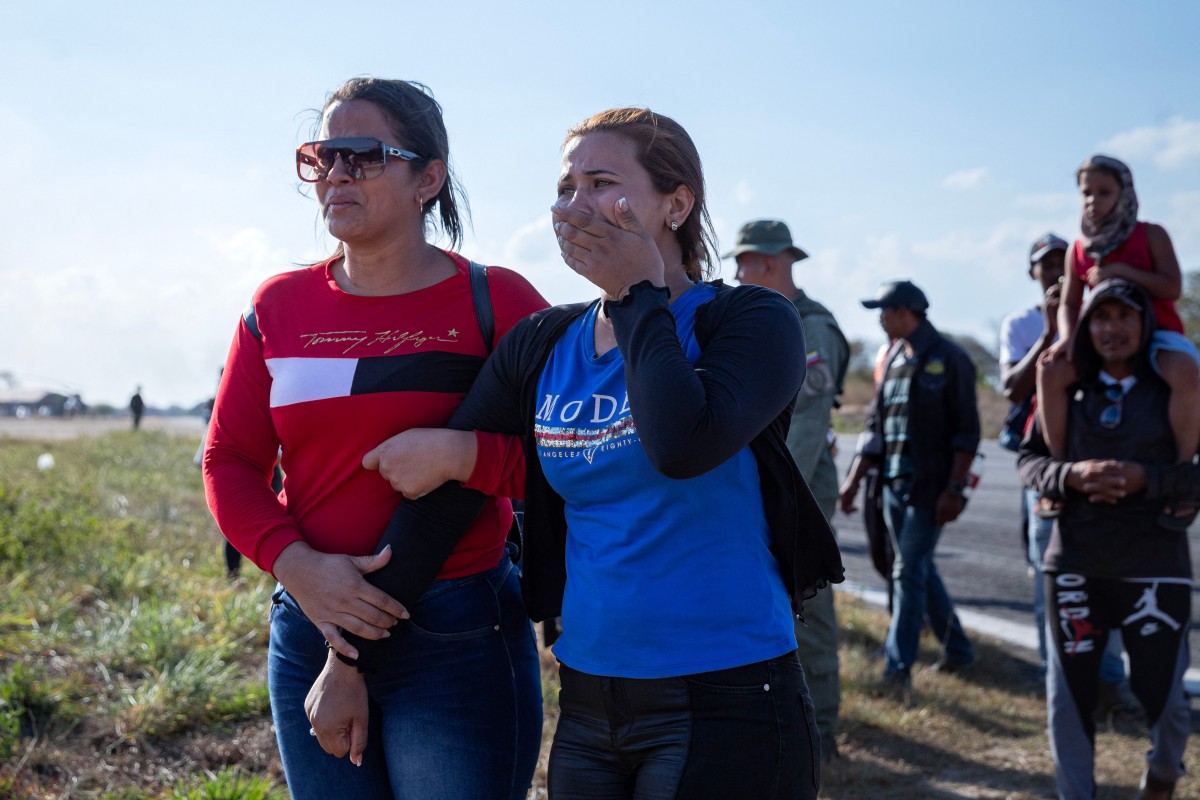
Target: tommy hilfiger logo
pixel 389 340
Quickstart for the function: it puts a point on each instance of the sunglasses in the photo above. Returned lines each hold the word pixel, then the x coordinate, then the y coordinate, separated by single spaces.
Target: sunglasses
pixel 1110 417
pixel 363 158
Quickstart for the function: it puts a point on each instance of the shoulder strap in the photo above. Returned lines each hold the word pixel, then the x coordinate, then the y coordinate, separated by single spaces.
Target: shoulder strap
pixel 483 305
pixel 251 321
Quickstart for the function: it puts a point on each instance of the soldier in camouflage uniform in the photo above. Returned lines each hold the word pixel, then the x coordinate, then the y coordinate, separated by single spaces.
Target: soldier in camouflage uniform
pixel 765 255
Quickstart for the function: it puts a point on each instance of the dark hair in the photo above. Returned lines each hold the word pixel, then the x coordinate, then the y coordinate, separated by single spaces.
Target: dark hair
pixel 416 119
pixel 666 151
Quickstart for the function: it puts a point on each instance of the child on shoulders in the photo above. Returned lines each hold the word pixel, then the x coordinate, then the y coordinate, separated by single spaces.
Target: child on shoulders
pixel 1114 244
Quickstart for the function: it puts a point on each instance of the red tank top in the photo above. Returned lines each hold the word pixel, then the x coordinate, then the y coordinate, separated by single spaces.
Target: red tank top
pixel 1134 251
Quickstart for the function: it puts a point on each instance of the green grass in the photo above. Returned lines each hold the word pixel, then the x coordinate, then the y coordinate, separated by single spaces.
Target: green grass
pixel 132 669
pixel 119 633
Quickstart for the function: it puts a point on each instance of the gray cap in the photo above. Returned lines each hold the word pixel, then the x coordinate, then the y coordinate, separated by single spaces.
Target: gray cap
pixel 1045 245
pixel 768 236
pixel 1125 291
pixel 898 294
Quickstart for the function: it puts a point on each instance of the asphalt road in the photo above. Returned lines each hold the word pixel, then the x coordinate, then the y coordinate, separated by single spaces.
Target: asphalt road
pixel 980 555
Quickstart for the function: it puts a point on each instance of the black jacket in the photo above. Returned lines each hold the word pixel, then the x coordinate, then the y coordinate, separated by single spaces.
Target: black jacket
pixel 943 416
pixel 1120 540
pixel 684 433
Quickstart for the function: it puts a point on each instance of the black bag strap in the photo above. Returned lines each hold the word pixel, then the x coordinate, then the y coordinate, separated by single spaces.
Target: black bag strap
pixel 480 296
pixel 251 321
pixel 483 305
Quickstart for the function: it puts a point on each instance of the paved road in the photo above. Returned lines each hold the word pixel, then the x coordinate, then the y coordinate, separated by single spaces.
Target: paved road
pixel 979 556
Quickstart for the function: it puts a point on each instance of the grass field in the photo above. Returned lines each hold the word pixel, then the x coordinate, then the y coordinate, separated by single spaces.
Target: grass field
pixel 131 668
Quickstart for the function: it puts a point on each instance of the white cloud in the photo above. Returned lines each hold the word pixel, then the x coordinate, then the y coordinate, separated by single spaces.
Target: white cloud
pixel 965 179
pixel 1174 144
pixel 530 242
pixel 1051 203
pixel 743 193
pixel 1182 221
pixel 531 250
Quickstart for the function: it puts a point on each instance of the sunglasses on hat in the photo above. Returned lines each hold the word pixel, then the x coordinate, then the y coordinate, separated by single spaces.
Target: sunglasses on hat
pixel 363 157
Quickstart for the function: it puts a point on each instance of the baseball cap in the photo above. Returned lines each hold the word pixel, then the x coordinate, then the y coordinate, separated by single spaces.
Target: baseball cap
pixel 898 294
pixel 768 236
pixel 1125 291
pixel 1045 245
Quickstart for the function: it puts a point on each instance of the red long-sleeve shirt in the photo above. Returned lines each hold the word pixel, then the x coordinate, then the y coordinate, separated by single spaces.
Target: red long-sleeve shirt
pixel 331 377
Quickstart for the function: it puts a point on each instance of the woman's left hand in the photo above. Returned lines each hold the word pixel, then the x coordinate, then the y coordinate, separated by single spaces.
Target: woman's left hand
pixel 336 706
pixel 419 460
pixel 613 257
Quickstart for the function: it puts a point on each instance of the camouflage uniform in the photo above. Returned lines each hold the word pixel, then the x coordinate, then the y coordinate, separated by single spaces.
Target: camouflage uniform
pixel 828 355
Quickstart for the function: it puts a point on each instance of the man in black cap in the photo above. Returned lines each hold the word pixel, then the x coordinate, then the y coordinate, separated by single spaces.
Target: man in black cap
pixel 765 255
pixel 922 433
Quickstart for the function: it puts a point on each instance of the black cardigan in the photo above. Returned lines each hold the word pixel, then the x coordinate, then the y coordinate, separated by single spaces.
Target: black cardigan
pixel 690 418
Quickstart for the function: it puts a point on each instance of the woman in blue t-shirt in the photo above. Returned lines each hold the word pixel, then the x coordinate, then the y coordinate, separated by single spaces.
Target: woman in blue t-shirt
pixel 665 521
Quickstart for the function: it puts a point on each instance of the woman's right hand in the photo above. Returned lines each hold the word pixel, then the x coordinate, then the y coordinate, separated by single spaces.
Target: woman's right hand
pixel 333 594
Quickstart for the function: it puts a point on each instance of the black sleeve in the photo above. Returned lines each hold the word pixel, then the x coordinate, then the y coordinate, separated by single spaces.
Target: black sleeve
pixel 964 406
pixel 1179 483
pixel 693 417
pixel 423 533
pixel 1038 469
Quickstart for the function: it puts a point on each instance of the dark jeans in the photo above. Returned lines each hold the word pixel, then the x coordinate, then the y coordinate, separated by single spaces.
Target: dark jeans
pixel 920 595
pixel 456 712
pixel 746 732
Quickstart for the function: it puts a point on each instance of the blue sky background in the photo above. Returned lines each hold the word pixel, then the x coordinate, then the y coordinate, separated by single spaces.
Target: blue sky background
pixel 151 184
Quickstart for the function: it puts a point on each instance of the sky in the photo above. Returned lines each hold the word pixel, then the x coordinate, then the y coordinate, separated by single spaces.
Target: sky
pixel 152 182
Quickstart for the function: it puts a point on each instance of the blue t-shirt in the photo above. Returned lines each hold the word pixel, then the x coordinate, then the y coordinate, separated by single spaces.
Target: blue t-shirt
pixel 664 577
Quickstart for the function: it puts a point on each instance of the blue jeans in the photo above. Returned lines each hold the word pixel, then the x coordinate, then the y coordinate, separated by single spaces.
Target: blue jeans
pixel 456 713
pixel 745 733
pixel 920 594
pixel 1112 666
pixel 1039 537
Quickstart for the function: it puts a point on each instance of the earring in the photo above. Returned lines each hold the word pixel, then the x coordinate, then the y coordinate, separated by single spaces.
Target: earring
pixel 420 204
pixel 674 225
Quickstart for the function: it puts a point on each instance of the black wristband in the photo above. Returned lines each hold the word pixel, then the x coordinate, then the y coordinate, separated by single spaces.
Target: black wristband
pixel 957 487
pixel 347 660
